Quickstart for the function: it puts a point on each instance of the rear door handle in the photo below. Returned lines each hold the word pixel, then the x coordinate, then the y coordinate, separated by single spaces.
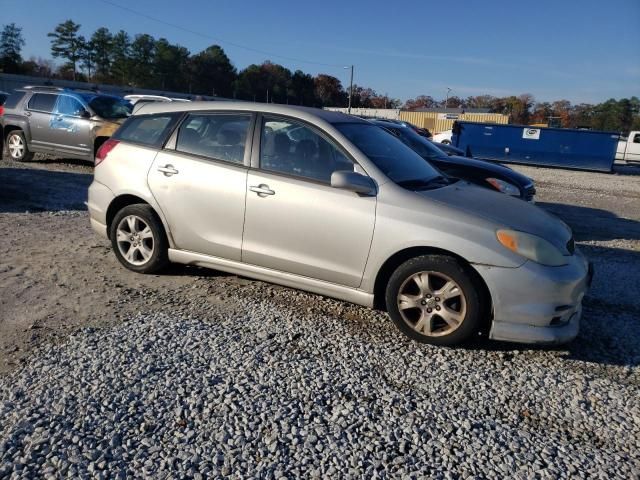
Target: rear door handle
pixel 262 190
pixel 168 170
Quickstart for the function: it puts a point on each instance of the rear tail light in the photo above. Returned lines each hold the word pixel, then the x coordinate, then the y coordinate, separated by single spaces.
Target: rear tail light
pixel 1 110
pixel 104 150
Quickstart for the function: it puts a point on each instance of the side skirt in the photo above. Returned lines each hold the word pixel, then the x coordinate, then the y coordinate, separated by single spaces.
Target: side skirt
pixel 320 287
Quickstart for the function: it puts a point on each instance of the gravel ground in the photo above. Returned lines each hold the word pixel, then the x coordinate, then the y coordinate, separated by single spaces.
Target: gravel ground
pixel 195 374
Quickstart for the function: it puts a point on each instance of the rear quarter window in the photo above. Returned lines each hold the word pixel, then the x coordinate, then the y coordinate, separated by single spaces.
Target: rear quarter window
pixel 150 130
pixel 14 99
pixel 42 102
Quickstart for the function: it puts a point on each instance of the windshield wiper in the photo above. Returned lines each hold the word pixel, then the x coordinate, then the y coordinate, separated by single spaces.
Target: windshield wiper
pixel 423 184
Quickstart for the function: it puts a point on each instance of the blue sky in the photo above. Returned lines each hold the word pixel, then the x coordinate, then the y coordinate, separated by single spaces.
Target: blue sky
pixel 580 50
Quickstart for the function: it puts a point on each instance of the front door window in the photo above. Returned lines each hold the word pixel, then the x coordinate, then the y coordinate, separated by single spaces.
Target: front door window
pixel 296 149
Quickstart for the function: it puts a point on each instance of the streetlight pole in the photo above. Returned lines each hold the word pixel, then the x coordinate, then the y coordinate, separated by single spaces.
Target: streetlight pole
pixel 350 88
pixel 446 102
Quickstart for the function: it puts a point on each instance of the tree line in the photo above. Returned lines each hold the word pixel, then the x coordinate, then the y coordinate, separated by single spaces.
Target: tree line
pixel 613 115
pixel 146 62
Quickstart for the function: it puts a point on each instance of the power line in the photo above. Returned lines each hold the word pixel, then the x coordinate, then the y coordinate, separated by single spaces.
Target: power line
pixel 217 39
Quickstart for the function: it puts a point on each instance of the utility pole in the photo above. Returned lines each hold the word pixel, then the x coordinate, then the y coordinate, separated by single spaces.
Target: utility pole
pixel 446 102
pixel 350 88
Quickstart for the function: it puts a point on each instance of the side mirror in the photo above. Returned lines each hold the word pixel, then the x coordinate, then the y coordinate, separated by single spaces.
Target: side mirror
pixel 352 181
pixel 85 114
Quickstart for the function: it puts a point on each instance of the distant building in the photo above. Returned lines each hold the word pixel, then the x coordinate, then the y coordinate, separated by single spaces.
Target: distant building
pixel 436 120
pixel 457 110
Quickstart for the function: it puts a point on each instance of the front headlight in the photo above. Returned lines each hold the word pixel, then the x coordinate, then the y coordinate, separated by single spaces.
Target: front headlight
pixel 504 187
pixel 531 247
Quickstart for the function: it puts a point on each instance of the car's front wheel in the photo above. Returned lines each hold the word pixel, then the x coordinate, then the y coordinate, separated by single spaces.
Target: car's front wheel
pixel 138 239
pixel 16 145
pixel 434 299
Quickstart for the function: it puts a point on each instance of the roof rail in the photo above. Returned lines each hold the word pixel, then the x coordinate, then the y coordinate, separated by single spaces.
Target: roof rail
pixel 82 90
pixel 43 87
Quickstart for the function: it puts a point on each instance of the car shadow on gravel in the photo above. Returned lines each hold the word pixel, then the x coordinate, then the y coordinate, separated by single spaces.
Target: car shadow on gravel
pixel 593 223
pixel 46 160
pixel 176 269
pixel 34 190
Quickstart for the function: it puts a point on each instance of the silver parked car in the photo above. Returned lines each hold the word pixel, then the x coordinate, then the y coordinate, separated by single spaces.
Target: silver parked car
pixel 332 204
pixel 59 121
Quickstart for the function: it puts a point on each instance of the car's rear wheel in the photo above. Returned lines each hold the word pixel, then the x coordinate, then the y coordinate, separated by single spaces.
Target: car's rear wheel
pixel 138 239
pixel 434 299
pixel 16 146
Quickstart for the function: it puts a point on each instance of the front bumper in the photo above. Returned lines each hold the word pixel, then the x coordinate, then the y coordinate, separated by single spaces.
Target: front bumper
pixel 537 304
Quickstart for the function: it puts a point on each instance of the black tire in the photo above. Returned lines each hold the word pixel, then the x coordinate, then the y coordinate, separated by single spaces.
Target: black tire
pixel 467 305
pixel 17 135
pixel 446 142
pixel 158 259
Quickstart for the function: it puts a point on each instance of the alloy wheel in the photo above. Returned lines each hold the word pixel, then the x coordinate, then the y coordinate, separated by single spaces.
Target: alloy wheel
pixel 135 240
pixel 16 147
pixel 432 303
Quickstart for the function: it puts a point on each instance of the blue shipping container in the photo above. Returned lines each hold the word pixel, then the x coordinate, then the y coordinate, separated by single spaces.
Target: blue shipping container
pixel 557 147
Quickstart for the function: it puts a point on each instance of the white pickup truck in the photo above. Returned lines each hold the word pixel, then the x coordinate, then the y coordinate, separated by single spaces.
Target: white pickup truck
pixel 629 148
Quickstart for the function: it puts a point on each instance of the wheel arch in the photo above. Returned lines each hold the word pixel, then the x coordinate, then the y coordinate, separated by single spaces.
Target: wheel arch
pixel 6 130
pixel 10 128
pixel 12 123
pixel 124 200
pixel 395 260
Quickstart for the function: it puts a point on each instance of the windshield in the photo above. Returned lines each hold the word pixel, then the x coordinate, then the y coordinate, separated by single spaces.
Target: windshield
pixel 109 107
pixel 391 156
pixel 416 142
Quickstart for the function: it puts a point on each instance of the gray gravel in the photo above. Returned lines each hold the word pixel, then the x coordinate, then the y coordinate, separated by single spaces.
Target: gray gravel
pixel 267 392
pixel 253 380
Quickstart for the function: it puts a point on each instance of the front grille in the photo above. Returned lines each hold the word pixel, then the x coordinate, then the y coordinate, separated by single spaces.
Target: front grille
pixel 529 193
pixel 571 246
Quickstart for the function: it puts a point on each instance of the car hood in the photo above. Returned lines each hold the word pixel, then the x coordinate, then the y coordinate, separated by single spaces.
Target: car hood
pixel 503 210
pixel 519 179
pixel 106 128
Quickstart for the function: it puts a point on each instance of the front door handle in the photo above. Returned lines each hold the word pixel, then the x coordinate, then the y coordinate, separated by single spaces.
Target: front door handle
pixel 168 170
pixel 262 190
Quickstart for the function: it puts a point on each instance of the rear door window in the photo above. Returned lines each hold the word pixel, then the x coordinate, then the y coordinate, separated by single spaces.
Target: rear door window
pixel 69 106
pixel 151 130
pixel 42 102
pixel 216 136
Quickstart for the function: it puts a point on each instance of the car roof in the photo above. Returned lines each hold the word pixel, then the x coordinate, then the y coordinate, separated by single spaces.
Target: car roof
pixel 144 96
pixel 80 92
pixel 308 113
pixel 386 123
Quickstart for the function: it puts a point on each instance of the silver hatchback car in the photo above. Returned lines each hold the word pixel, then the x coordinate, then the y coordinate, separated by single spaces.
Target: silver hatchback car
pixel 332 204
